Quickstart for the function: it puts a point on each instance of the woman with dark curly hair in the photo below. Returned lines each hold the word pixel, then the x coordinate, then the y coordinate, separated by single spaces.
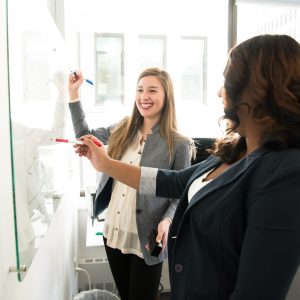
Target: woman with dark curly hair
pixel 236 231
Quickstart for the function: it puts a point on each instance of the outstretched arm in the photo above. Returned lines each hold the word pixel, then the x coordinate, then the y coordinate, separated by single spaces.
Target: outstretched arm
pixel 100 160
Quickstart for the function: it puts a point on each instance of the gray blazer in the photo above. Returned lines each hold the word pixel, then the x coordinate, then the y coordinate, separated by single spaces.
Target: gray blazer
pixel 149 209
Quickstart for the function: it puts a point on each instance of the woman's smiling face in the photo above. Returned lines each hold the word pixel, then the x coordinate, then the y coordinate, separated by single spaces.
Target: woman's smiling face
pixel 150 97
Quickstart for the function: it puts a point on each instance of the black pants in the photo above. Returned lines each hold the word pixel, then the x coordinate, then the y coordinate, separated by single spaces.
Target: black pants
pixel 135 280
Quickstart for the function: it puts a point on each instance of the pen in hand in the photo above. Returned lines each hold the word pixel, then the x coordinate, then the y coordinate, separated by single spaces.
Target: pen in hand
pixel 76 142
pixel 87 80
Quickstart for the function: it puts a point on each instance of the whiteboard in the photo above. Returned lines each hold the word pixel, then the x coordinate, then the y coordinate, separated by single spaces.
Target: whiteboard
pixel 38 112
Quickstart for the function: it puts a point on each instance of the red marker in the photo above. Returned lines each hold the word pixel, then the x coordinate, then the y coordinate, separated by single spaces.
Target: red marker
pixel 73 141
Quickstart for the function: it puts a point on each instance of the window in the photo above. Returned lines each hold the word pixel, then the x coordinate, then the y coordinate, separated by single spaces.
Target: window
pixel 152 51
pixel 109 68
pixel 256 18
pixel 193 59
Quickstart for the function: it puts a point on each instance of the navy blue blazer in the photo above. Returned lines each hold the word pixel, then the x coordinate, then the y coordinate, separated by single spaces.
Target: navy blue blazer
pixel 239 237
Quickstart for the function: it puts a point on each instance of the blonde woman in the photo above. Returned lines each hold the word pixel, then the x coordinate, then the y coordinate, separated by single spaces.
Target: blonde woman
pixel 149 138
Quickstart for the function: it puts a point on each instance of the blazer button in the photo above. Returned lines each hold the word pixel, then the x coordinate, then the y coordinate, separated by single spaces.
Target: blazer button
pixel 178 268
pixel 138 211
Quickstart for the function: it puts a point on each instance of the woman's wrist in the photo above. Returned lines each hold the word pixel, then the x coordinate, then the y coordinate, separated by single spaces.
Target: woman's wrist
pixel 74 100
pixel 168 220
pixel 74 96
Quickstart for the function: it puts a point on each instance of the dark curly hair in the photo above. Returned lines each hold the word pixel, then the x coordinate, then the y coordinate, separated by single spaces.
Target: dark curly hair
pixel 266 70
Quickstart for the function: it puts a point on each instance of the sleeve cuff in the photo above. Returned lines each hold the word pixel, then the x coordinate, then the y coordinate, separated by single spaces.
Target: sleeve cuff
pixel 74 100
pixel 168 219
pixel 148 181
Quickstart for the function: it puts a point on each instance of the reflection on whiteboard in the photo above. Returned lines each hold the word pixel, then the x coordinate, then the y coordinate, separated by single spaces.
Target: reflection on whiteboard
pixel 36 66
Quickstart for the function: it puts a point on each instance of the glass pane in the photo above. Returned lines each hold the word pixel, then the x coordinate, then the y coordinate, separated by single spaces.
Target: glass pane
pixel 256 18
pixel 109 62
pixel 152 52
pixel 193 69
pixel 38 110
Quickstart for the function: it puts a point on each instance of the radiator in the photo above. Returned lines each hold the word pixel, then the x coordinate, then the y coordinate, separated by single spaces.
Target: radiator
pixel 100 274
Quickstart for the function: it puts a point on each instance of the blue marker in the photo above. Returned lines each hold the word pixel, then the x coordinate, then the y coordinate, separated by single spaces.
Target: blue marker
pixel 87 80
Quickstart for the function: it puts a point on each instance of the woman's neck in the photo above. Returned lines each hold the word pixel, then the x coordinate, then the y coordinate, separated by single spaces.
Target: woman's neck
pixel 147 126
pixel 252 144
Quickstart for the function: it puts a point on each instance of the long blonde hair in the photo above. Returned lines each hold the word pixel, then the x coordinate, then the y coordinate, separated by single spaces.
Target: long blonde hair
pixel 124 133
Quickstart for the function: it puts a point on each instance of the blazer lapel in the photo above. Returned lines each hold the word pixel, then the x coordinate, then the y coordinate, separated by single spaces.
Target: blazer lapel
pixel 205 166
